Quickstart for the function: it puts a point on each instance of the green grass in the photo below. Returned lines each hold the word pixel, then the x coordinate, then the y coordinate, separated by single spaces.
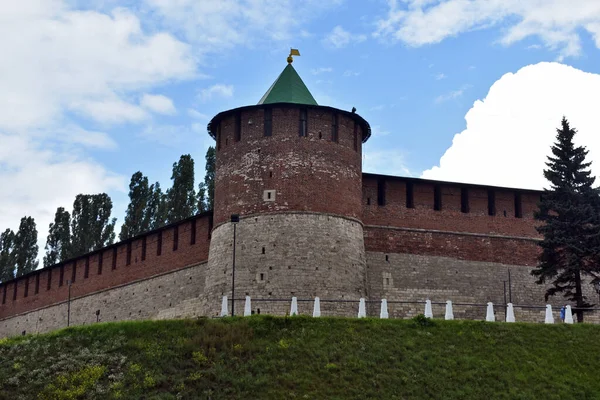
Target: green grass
pixel 265 357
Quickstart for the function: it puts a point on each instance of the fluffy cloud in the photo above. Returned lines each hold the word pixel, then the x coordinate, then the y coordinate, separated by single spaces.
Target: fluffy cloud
pixel 158 103
pixel 339 37
pixel 218 90
pixel 509 133
pixel 454 94
pixel 557 23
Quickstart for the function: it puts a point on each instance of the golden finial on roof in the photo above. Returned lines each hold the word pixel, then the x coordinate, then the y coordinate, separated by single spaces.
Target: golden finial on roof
pixel 293 52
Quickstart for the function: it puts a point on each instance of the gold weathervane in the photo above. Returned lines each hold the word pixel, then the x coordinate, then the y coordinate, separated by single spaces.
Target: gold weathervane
pixel 293 52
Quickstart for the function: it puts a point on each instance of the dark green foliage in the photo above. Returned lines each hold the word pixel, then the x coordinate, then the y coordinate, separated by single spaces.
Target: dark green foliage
pixel 7 260
pixel 91 225
pixel 25 247
pixel 202 205
pixel 569 213
pixel 264 357
pixel 181 196
pixel 137 217
pixel 58 242
pixel 209 178
pixel 157 207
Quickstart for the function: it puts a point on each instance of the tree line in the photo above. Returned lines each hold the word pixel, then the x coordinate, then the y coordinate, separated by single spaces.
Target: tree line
pixel 89 226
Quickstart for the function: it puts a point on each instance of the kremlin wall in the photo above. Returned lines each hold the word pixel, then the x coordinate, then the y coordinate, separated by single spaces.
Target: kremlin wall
pixel 311 224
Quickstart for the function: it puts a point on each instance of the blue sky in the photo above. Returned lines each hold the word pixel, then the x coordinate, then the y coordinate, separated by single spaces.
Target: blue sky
pixel 455 90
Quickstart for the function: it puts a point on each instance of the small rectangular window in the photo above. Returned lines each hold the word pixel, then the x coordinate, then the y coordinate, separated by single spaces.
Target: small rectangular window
pixel 437 198
pixel 303 123
pixel 86 272
pixel 268 122
pixel 262 276
pixel 74 272
pixel 100 263
pixel 410 198
pixel 4 294
pixel 381 192
pixel 334 127
pixel 238 127
pixel 175 238
pixel 193 232
pixel 15 290
pixel 491 202
pixel 368 201
pixel 37 283
pixel 518 206
pixel 61 276
pixel 219 137
pixel 26 293
pixel 49 283
pixel 144 248
pixel 464 200
pixel 114 258
pixel 159 244
pixel 355 136
pixel 128 259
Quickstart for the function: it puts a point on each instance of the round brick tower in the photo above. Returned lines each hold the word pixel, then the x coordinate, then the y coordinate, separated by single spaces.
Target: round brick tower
pixel 291 170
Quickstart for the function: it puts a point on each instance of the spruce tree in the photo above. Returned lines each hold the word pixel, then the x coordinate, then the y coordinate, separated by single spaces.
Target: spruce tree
pixel 7 261
pixel 209 178
pixel 181 196
pixel 569 216
pixel 91 225
pixel 136 220
pixel 26 248
pixel 58 242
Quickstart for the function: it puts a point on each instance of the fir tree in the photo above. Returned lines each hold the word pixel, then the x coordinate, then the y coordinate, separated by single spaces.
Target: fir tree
pixel 91 225
pixel 181 196
pixel 209 178
pixel 136 220
pixel 7 261
pixel 58 242
pixel 26 248
pixel 569 216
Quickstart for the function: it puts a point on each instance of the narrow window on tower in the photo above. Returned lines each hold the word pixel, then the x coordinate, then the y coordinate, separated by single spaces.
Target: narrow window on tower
pixel 518 206
pixel 144 248
pixel 334 127
pixel 86 272
pixel 100 263
pixel 128 262
pixel 238 127
pixel 491 202
pixel 175 238
pixel 193 232
pixel 381 192
pixel 268 122
pixel 355 136
pixel 74 272
pixel 49 284
pixel 410 198
pixel 303 122
pixel 159 244
pixel 26 293
pixel 114 258
pixel 61 276
pixel 437 198
pixel 219 137
pixel 37 283
pixel 464 200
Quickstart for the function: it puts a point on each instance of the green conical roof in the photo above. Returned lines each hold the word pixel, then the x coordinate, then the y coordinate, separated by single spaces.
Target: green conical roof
pixel 288 88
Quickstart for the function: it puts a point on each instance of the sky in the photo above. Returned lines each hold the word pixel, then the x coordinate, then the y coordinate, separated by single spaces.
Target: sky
pixel 458 90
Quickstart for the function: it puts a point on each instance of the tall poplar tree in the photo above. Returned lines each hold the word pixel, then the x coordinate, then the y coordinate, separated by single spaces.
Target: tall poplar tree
pixel 7 261
pixel 181 196
pixel 91 225
pixel 58 242
pixel 569 216
pixel 209 178
pixel 26 248
pixel 136 220
pixel 157 207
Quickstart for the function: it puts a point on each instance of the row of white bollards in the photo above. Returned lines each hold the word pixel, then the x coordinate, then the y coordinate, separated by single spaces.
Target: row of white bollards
pixel 449 315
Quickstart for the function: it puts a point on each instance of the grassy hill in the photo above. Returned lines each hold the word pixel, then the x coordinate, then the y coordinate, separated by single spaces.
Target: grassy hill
pixel 265 357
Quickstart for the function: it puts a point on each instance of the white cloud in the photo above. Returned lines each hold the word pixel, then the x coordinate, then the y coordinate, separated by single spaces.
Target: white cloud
pixel 440 76
pixel 557 23
pixel 339 37
pixel 509 133
pixel 385 161
pixel 317 71
pixel 217 90
pixel 349 73
pixel 158 103
pixel 455 94
pixel 197 114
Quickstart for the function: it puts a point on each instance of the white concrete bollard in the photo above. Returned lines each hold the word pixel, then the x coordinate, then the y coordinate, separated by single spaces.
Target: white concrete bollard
pixel 568 315
pixel 224 306
pixel 362 310
pixel 510 313
pixel 294 309
pixel 317 307
pixel 384 310
pixel 549 317
pixel 449 313
pixel 489 315
pixel 247 307
pixel 428 312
